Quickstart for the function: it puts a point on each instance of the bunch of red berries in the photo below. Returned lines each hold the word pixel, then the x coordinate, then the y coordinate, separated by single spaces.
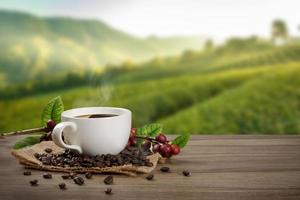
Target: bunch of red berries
pixel 48 129
pixel 50 125
pixel 158 144
pixel 163 146
pixel 132 141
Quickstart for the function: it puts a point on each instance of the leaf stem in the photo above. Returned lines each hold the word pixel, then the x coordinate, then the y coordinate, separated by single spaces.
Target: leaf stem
pixel 147 138
pixel 23 132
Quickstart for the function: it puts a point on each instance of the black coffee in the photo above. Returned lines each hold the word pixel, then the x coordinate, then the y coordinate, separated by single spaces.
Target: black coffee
pixel 96 116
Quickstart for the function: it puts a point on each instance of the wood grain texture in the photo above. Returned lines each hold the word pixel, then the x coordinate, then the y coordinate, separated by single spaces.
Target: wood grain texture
pixel 223 167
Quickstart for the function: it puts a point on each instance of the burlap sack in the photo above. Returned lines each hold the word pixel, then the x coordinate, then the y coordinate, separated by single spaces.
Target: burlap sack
pixel 26 157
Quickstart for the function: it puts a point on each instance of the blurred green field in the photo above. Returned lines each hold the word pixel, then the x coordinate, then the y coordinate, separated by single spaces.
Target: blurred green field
pixel 243 87
pixel 35 46
pixel 269 104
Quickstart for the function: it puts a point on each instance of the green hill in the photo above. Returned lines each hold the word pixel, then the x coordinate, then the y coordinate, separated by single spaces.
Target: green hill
pixel 32 47
pixel 264 105
pixel 244 86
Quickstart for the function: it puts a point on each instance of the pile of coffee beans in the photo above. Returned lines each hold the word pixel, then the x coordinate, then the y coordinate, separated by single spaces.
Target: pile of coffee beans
pixel 130 155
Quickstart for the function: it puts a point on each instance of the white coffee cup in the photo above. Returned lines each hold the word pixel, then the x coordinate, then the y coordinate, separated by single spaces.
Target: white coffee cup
pixel 93 136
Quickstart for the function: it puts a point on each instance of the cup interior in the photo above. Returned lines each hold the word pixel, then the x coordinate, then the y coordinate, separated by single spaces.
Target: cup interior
pixel 74 113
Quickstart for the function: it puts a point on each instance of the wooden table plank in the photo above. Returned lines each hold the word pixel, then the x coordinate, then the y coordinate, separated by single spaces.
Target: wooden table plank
pixel 223 167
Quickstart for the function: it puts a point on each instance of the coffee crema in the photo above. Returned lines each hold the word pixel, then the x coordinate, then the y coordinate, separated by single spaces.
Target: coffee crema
pixel 96 116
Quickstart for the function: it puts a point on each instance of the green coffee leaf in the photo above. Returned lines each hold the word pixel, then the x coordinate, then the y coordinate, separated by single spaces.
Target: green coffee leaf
pixel 181 140
pixel 28 141
pixel 52 110
pixel 150 130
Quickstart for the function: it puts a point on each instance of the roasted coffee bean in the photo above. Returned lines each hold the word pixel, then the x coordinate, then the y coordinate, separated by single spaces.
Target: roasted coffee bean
pixel 66 176
pixel 85 164
pixel 107 163
pixel 108 191
pixel 150 177
pixel 46 160
pixel 100 164
pixel 120 160
pixel 109 180
pixel 131 155
pixel 37 156
pixel 27 173
pixel 78 180
pixel 186 173
pixel 67 161
pixel 165 169
pixel 88 175
pixel 73 175
pixel 34 182
pixel 47 176
pixel 48 150
pixel 62 186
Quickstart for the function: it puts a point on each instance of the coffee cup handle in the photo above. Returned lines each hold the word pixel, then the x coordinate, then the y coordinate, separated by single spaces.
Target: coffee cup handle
pixel 57 135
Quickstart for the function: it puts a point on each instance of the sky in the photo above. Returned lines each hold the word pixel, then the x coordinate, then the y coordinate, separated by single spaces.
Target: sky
pixel 219 19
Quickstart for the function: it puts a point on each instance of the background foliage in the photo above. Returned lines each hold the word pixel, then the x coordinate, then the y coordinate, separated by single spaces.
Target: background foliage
pixel 244 86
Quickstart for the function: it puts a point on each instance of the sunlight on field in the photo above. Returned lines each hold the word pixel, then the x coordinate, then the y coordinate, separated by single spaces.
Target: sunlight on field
pixel 43 47
pixel 242 85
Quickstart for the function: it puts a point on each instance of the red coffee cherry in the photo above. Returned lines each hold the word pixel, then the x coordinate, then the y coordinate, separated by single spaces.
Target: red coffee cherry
pixel 155 148
pixel 165 150
pixel 128 144
pixel 134 142
pixel 131 138
pixel 161 138
pixel 133 130
pixel 51 124
pixel 175 149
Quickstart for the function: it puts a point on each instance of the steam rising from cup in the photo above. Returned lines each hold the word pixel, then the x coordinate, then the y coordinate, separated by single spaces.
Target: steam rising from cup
pixel 99 93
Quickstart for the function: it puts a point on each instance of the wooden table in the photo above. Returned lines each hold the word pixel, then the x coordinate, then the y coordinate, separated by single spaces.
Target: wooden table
pixel 223 167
